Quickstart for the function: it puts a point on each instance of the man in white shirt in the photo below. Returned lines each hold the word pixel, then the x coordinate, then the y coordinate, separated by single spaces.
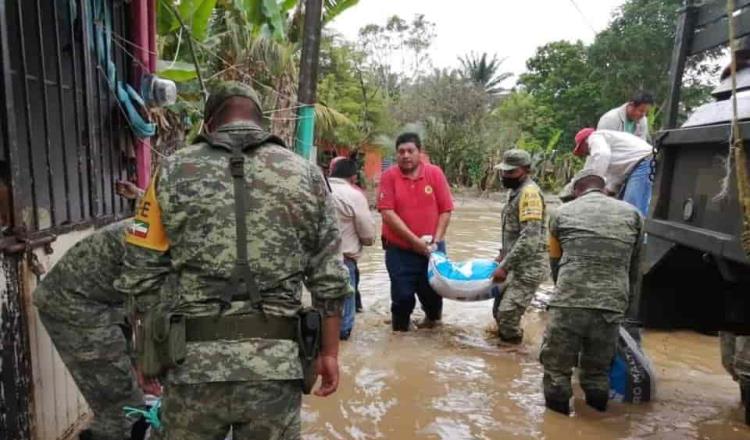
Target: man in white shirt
pixel 630 117
pixel 624 160
pixel 357 228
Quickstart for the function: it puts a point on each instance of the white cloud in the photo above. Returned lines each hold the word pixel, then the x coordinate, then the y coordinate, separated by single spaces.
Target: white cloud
pixel 509 28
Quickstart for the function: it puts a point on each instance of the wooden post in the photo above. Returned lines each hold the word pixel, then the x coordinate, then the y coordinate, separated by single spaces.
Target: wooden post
pixel 308 78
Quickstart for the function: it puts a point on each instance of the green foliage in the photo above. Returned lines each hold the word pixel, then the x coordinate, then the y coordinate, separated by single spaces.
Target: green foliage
pixel 195 14
pixel 346 85
pixel 558 78
pixel 568 86
pixel 372 88
pixel 398 39
pixel 334 8
pixel 634 53
pixel 178 71
pixel 484 72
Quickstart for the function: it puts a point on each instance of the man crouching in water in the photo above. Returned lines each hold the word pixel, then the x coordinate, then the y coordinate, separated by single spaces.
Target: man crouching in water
pixel 594 247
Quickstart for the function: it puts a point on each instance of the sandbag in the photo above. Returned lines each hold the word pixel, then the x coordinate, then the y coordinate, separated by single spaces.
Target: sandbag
pixel 468 281
pixel 631 378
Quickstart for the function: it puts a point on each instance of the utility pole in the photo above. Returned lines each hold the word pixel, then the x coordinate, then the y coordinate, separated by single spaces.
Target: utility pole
pixel 308 78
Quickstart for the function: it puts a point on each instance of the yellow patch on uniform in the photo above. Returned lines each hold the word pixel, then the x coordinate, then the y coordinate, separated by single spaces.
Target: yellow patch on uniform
pixel 428 189
pixel 555 251
pixel 147 230
pixel 531 206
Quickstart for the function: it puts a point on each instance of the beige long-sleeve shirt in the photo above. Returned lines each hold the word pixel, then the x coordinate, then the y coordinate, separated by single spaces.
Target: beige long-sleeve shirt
pixel 613 154
pixel 355 220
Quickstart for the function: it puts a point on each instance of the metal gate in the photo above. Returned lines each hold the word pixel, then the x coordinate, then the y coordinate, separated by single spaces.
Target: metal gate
pixel 63 145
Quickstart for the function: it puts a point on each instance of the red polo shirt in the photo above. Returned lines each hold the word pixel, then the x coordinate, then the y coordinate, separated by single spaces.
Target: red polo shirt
pixel 419 201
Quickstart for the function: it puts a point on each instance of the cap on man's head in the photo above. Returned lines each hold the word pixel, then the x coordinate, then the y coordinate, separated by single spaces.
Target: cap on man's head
pixel 513 159
pixel 584 173
pixel 581 137
pixel 223 90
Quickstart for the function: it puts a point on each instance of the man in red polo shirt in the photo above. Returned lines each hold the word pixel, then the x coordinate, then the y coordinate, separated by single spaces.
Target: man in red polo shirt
pixel 415 201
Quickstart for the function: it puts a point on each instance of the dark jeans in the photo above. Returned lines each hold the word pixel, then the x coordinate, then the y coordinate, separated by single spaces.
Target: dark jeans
pixel 408 273
pixel 357 295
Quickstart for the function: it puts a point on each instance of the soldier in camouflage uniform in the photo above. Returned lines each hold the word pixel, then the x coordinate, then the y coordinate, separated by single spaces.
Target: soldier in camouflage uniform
pixel 187 223
pixel 735 356
pixel 523 255
pixel 594 247
pixel 84 315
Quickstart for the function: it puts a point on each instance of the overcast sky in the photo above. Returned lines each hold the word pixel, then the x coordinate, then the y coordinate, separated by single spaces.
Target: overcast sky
pixel 509 28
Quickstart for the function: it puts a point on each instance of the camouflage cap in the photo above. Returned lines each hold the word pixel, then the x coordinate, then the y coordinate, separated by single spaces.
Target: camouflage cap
pixel 223 90
pixel 586 172
pixel 513 159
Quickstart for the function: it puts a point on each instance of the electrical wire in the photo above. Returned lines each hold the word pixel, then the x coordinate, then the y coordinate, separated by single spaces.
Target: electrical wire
pixel 583 16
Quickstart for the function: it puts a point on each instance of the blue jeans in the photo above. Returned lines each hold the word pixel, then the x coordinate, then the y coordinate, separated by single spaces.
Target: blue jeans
pixel 637 190
pixel 347 319
pixel 408 273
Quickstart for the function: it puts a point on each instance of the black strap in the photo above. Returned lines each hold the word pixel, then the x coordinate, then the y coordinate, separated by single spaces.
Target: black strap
pixel 242 280
pixel 234 327
pixel 242 283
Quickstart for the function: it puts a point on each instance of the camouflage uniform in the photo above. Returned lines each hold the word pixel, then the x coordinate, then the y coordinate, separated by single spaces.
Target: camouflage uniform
pixel 735 356
pixel 599 241
pixel 523 252
pixel 83 315
pixel 251 384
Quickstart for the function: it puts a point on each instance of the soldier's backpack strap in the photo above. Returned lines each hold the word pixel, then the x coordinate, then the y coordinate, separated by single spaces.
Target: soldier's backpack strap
pixel 242 281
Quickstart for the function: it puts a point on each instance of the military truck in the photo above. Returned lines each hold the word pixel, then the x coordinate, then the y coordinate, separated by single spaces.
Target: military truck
pixel 696 272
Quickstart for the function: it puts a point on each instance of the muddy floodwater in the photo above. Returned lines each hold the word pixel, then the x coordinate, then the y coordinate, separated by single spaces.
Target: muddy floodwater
pixel 455 383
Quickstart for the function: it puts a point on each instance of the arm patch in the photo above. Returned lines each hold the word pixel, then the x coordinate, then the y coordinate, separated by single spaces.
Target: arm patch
pixel 531 206
pixel 147 230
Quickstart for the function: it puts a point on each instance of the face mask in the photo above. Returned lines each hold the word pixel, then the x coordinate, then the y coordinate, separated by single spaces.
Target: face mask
pixel 511 182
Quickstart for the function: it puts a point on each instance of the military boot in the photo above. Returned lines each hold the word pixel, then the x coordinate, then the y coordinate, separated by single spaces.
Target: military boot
pixel 560 406
pixel 597 400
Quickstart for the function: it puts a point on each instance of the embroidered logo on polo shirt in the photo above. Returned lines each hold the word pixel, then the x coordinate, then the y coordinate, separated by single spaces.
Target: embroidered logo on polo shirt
pixel 428 189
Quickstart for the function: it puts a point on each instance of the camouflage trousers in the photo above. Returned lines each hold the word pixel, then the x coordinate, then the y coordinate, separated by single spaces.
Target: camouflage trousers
pixel 509 310
pixel 573 332
pixel 97 358
pixel 735 356
pixel 268 410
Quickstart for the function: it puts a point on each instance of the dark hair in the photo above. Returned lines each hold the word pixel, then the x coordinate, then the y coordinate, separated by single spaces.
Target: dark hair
pixel 344 169
pixel 642 97
pixel 408 137
pixel 590 182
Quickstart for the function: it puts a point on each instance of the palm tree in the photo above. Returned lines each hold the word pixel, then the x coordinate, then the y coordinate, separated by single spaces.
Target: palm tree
pixel 484 72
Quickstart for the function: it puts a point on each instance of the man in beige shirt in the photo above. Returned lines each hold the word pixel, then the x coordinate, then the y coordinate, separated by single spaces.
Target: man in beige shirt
pixel 357 228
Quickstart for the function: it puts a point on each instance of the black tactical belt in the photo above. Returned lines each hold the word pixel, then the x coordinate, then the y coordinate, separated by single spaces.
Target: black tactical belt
pixel 235 327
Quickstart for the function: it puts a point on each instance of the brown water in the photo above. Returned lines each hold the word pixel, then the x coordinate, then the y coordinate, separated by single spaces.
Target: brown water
pixel 455 383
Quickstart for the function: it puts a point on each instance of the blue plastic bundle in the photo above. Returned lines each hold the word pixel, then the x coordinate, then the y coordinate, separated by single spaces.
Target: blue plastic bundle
pixel 468 281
